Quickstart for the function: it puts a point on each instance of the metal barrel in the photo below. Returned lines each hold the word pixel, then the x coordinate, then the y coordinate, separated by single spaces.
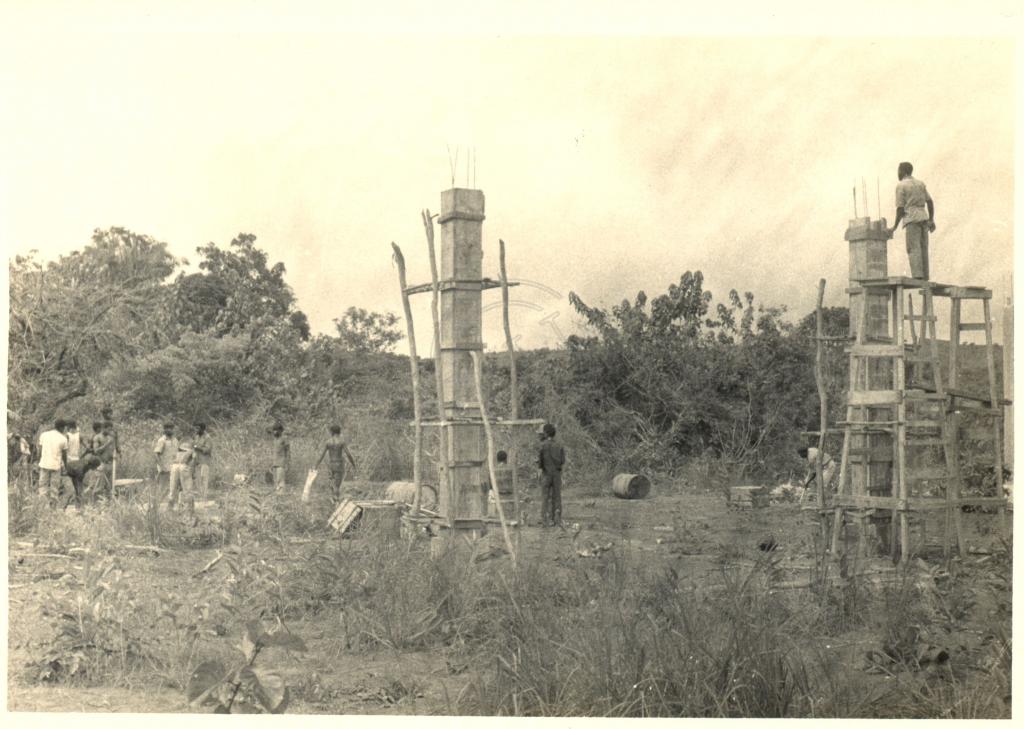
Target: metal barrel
pixel 631 486
pixel 405 491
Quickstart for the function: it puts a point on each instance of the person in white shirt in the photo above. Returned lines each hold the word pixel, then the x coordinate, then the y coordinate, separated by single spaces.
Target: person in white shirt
pixel 53 458
pixel 74 441
pixel 914 206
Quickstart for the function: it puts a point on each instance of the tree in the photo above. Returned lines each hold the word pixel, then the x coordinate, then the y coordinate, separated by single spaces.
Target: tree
pixel 72 317
pixel 235 289
pixel 360 330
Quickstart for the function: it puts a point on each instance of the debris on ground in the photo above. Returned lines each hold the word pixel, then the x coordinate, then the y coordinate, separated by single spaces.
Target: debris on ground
pixel 594 550
pixel 786 492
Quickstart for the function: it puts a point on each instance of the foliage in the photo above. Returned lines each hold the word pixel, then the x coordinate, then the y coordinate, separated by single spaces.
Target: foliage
pixel 242 688
pixel 663 381
pixel 360 330
pixel 236 290
pixel 72 317
pixel 95 620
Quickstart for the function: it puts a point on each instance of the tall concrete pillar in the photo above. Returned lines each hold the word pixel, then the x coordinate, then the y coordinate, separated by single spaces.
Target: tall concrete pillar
pixel 871 470
pixel 461 220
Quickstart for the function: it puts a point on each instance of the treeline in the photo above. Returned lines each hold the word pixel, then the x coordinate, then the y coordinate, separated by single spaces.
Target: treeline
pixel 656 384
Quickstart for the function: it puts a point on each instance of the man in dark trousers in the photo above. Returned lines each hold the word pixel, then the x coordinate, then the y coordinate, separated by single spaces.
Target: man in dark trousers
pixel 551 460
pixel 77 469
pixel 914 207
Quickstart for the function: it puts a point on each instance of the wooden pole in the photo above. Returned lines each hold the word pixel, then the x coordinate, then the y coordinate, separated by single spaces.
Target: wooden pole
pixel 996 405
pixel 414 367
pixel 819 378
pixel 513 379
pixel 901 431
pixel 443 476
pixel 478 379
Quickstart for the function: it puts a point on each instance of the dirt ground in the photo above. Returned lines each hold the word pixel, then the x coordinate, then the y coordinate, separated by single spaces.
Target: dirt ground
pixel 694 533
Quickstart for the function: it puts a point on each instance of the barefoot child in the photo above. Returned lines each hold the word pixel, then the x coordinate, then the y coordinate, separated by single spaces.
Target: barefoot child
pixel 337 451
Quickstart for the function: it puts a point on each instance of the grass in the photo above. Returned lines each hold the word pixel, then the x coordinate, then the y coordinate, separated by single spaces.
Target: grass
pixel 619 635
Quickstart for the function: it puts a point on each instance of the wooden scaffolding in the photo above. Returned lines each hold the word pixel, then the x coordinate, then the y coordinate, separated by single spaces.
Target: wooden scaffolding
pixel 902 433
pixel 466 444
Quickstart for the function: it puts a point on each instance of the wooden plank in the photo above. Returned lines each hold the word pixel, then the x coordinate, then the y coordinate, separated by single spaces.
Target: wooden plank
pixel 892 503
pixel 914 442
pixel 876 350
pixel 928 474
pixel 873 397
pixel 973 327
pixel 460 284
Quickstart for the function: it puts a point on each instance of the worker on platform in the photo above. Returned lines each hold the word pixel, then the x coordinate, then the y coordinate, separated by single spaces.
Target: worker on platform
pixel 914 207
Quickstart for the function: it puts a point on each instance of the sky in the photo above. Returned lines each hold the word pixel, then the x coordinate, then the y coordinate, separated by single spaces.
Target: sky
pixel 610 163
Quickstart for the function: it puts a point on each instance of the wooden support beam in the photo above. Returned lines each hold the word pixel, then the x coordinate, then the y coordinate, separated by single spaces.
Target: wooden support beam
pixel 414 366
pixel 512 376
pixel 973 327
pixel 460 284
pixel 444 476
pixel 491 466
pixel 876 350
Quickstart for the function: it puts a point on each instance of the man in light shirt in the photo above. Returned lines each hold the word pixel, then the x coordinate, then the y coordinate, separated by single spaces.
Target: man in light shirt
pixel 915 208
pixel 166 452
pixel 75 450
pixel 53 458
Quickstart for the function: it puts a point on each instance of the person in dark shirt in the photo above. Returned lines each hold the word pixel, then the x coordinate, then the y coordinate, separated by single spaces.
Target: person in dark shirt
pixel 77 468
pixel 281 457
pixel 551 460
pixel 337 451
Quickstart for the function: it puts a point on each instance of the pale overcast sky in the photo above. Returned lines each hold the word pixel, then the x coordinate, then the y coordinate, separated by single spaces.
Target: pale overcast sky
pixel 609 164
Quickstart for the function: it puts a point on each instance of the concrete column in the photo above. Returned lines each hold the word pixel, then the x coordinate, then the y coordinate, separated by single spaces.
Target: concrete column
pixel 461 220
pixel 868 242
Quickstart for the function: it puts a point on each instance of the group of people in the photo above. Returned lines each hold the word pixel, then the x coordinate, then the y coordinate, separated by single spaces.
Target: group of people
pixel 183 465
pixel 67 456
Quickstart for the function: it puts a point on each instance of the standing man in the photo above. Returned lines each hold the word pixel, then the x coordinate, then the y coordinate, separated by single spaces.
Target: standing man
pixel 203 449
pixel 180 481
pixel 102 447
pixel 53 459
pixel 915 208
pixel 75 446
pixel 165 452
pixel 337 451
pixel 282 454
pixel 551 459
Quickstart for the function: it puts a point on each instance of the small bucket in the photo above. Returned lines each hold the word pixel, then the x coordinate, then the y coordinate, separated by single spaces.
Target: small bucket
pixel 631 486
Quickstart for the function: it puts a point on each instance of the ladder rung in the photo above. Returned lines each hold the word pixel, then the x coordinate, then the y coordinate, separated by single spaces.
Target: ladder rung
pixel 873 397
pixel 973 327
pixel 877 350
pixel 928 474
pixel 923 395
pixel 923 424
pixel 919 317
pixel 925 442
